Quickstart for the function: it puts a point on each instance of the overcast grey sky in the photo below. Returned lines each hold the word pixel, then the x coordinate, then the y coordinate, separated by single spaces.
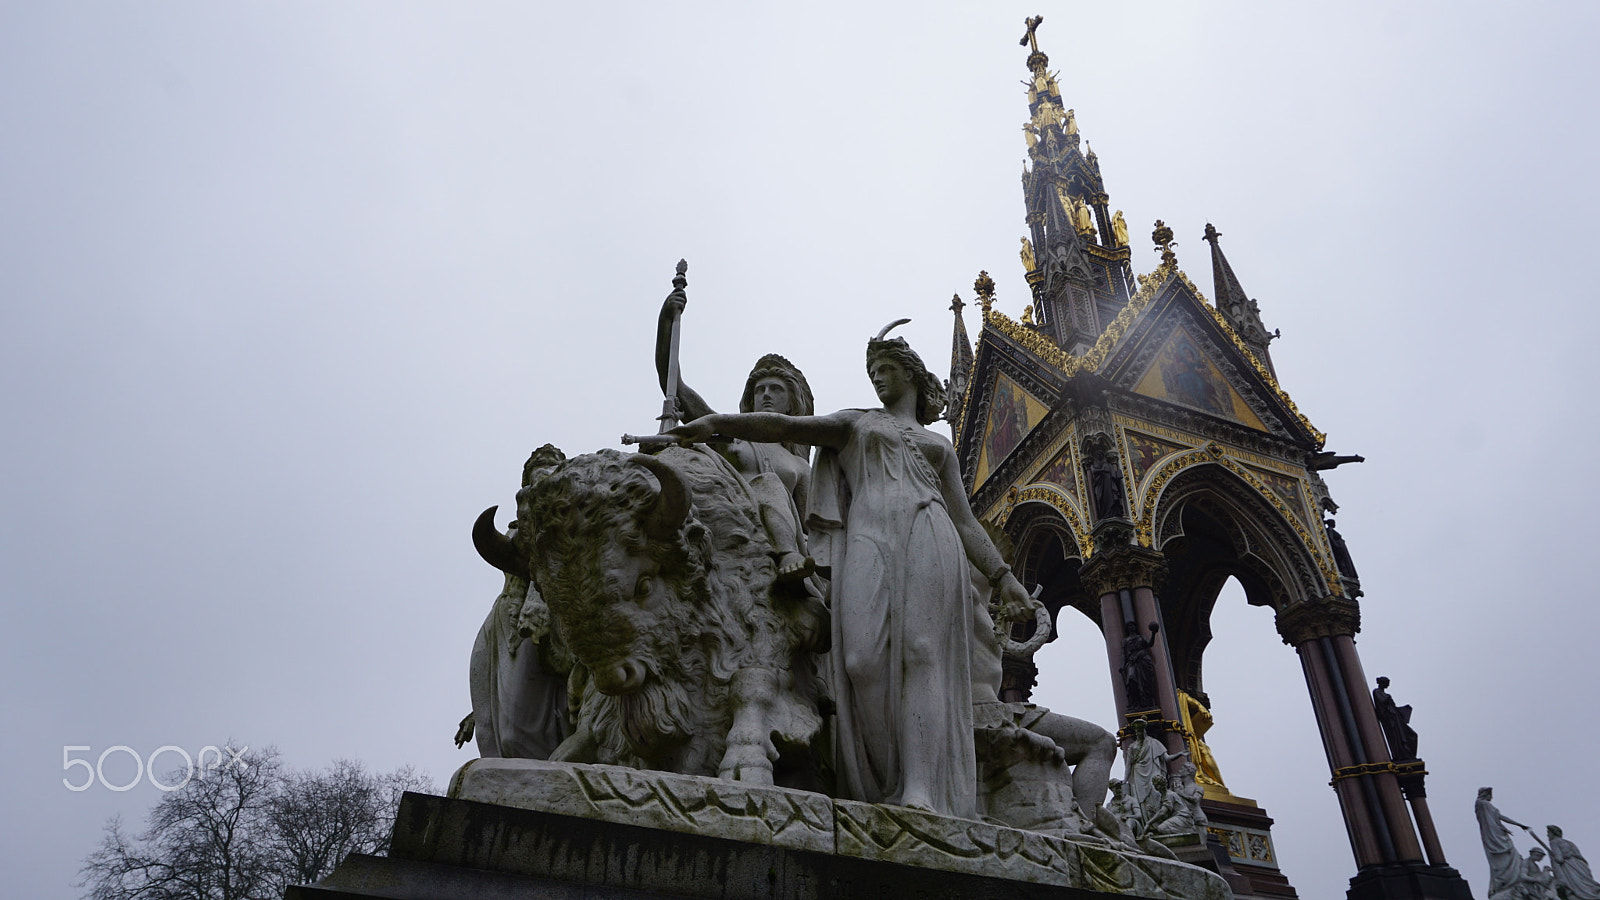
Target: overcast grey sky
pixel 290 290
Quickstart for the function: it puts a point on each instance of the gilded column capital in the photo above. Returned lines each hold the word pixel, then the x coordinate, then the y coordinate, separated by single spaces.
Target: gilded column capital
pixel 1123 568
pixel 1329 617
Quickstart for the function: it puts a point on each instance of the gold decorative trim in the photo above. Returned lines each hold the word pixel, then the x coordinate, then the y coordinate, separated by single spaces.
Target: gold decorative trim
pixel 1213 452
pixel 1030 340
pixel 1061 502
pixel 1047 351
pixel 1261 370
pixel 1368 769
pixel 1149 285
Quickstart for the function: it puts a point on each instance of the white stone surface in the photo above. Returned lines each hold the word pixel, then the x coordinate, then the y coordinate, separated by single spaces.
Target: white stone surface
pixel 694 804
pixel 801 820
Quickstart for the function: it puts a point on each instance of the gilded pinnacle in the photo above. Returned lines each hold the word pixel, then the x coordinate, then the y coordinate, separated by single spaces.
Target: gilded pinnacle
pixel 1162 236
pixel 984 286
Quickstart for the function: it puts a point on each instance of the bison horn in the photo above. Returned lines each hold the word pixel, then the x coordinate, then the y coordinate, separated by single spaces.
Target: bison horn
pixel 495 548
pixel 672 507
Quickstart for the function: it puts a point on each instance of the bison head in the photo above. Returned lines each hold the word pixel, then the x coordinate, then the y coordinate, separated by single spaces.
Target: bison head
pixel 609 541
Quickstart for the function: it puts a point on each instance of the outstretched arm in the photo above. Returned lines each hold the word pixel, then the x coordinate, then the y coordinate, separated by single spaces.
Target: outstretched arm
pixel 771 428
pixel 981 551
pixel 690 404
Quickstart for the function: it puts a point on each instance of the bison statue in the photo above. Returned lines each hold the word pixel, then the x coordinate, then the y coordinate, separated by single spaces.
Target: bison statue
pixel 691 657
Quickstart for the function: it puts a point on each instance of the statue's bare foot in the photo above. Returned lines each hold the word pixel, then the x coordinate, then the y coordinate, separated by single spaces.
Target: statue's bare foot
pixel 794 566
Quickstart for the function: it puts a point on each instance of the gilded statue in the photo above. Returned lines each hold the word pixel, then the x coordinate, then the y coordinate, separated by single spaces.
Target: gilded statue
pixel 1119 228
pixel 1048 114
pixel 1082 218
pixel 1070 126
pixel 1028 261
pixel 1197 721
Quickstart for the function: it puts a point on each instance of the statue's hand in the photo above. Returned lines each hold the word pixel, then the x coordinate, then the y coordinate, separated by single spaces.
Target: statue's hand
pixel 466 728
pixel 697 432
pixel 1015 604
pixel 672 307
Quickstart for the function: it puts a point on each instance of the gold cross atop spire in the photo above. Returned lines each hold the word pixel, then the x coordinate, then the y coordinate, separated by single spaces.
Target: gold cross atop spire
pixel 1029 38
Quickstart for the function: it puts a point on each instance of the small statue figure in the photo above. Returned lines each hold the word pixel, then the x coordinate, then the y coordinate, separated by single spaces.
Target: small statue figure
pixel 1119 228
pixel 779 473
pixel 1070 126
pixel 519 668
pixel 1190 791
pixel 1535 881
pixel 1082 219
pixel 1505 864
pixel 1105 484
pixel 1396 722
pixel 1030 133
pixel 1139 668
pixel 1341 552
pixel 1172 815
pixel 1027 315
pixel 1048 114
pixel 1571 869
pixel 1144 761
pixel 1029 263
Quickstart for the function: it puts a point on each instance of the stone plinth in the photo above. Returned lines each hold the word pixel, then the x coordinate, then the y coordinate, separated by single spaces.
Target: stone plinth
pixel 530 828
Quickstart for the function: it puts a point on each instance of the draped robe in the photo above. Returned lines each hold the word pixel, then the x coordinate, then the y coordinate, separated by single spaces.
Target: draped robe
pixel 902 608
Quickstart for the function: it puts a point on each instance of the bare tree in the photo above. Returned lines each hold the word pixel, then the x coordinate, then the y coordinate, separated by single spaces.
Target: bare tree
pixel 319 818
pixel 248 830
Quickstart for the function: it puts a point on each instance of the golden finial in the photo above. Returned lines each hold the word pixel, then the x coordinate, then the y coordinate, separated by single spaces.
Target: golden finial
pixel 1033 23
pixel 1036 60
pixel 984 286
pixel 956 304
pixel 1164 243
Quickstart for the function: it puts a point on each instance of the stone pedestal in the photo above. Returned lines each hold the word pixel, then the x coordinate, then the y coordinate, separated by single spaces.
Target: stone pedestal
pixel 1245 832
pixel 603 832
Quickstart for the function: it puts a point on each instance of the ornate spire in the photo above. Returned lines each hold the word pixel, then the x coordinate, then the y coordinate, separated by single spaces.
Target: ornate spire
pixel 960 364
pixel 1078 273
pixel 1238 309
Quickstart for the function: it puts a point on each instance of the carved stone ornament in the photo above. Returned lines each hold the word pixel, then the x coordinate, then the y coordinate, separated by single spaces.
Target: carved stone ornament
pixel 1307 621
pixel 1125 568
pixel 806 821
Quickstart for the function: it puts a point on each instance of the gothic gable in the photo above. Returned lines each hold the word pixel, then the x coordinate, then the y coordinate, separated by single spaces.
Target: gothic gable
pixel 1012 413
pixel 1181 372
pixel 1178 350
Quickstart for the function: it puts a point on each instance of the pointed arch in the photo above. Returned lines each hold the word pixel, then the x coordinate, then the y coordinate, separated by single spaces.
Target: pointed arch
pixel 1212 521
pixel 1048 552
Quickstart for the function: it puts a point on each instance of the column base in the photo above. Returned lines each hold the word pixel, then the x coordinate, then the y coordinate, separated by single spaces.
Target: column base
pixel 1409 881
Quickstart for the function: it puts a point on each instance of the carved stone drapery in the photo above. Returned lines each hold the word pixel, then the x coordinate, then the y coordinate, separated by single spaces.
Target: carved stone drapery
pixel 1331 617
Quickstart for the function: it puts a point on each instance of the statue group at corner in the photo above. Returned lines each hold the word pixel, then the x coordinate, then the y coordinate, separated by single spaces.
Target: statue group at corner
pixel 721 605
pixel 1515 877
